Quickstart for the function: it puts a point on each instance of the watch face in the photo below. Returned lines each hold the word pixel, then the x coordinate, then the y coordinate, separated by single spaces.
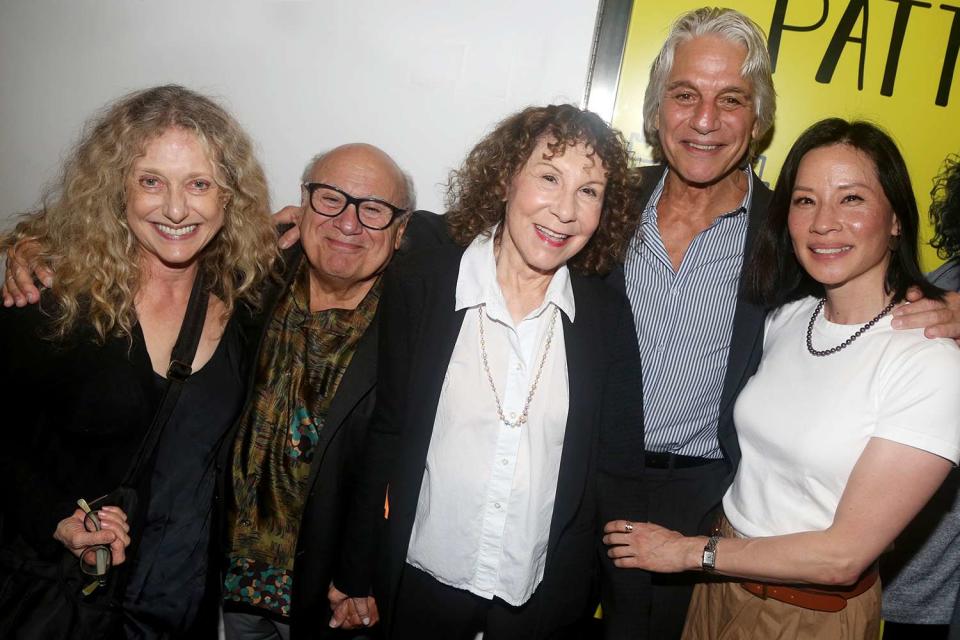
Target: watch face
pixel 709 559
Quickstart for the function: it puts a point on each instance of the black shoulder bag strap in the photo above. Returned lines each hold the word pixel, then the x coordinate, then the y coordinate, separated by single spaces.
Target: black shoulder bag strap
pixel 180 369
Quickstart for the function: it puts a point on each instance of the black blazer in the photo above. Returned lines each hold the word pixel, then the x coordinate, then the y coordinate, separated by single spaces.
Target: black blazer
pixel 418 331
pixel 333 471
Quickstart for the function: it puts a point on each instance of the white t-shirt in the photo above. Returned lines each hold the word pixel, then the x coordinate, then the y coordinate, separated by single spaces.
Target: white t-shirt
pixel 804 420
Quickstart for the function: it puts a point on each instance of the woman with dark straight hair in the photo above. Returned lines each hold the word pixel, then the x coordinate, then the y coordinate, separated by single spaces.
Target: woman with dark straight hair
pixel 848 426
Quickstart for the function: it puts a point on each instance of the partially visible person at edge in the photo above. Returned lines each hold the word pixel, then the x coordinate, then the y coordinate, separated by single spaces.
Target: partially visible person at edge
pixel 500 360
pixel 161 186
pixel 922 574
pixel 295 454
pixel 848 426
pixel 708 106
pixel 945 216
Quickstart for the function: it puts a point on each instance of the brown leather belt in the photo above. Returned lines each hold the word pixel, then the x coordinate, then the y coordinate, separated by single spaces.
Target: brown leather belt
pixel 816 599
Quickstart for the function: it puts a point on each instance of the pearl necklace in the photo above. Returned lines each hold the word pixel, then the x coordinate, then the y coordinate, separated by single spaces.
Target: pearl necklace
pixel 536 380
pixel 846 343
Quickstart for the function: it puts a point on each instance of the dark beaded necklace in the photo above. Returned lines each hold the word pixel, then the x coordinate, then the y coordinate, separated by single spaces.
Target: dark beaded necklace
pixel 846 343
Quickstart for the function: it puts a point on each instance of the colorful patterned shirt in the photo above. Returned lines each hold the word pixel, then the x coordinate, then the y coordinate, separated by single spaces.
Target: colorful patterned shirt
pixel 302 360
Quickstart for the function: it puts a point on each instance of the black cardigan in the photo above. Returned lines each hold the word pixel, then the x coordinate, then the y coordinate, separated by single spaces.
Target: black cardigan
pixel 75 413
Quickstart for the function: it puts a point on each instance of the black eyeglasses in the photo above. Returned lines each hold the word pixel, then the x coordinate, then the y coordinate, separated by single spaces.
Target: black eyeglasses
pixel 329 201
pixel 95 560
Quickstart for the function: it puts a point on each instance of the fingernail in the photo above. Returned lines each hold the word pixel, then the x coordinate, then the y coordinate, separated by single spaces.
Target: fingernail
pixel 334 623
pixel 366 622
pixel 32 297
pixel 48 281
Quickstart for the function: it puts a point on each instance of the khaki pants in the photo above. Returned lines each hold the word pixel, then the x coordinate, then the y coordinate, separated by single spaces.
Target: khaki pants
pixel 723 610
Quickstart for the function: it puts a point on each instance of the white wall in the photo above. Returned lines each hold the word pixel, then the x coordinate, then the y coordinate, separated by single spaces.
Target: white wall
pixel 423 79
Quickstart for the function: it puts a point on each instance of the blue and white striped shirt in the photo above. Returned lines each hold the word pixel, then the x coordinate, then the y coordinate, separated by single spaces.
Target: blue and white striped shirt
pixel 684 323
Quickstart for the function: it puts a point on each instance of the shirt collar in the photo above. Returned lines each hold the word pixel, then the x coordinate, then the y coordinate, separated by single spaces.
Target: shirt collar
pixel 650 211
pixel 477 283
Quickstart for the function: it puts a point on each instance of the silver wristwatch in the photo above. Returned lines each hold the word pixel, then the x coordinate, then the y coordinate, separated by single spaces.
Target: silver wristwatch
pixel 709 561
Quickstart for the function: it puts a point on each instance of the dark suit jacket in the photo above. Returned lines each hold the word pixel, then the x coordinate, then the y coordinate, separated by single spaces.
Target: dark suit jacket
pixel 337 454
pixel 418 330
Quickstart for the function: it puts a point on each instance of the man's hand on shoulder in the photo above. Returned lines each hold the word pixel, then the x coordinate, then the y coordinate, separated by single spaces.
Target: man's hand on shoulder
pixel 288 215
pixel 938 319
pixel 23 265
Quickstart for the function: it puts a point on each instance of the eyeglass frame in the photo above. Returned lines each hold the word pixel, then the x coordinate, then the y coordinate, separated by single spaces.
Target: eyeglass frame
pixel 356 202
pixel 103 555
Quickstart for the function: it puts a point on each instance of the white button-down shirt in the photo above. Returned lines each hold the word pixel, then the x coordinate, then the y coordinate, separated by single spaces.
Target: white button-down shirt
pixel 483 517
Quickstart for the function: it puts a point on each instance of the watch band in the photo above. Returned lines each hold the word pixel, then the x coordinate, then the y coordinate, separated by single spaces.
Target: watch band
pixel 709 561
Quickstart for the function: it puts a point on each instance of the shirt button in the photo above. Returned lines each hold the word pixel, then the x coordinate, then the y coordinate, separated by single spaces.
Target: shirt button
pixel 504 462
pixel 496 505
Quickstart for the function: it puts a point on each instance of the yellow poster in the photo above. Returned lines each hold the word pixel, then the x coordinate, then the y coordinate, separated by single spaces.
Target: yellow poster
pixel 893 62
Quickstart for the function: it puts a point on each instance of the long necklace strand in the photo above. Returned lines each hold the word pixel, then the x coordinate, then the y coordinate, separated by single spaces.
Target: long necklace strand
pixel 846 343
pixel 536 380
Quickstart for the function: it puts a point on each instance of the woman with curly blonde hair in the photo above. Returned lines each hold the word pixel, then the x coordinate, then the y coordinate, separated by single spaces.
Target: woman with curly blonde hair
pixel 162 187
pixel 499 366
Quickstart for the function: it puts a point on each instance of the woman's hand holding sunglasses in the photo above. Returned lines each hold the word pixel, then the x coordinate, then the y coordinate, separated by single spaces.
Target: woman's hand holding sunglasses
pixel 78 533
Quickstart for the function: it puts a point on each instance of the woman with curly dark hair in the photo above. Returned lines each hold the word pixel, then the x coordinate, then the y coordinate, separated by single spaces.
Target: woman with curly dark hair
pixel 945 216
pixel 500 360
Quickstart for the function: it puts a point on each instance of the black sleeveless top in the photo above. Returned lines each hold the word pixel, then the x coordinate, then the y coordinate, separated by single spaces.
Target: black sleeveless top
pixel 168 576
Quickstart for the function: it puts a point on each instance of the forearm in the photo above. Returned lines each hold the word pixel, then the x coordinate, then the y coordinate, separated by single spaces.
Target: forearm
pixel 813 557
pixel 888 486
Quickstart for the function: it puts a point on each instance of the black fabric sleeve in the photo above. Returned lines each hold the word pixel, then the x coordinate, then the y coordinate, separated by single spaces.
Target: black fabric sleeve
pixel 365 521
pixel 620 485
pixel 75 413
pixel 31 505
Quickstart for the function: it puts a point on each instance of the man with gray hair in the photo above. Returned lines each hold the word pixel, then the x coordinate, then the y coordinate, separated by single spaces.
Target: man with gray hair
pixel 709 103
pixel 710 98
pixel 287 464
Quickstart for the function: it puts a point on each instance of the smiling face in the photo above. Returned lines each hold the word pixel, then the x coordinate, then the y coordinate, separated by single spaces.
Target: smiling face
pixel 174 205
pixel 840 221
pixel 706 119
pixel 343 253
pixel 553 207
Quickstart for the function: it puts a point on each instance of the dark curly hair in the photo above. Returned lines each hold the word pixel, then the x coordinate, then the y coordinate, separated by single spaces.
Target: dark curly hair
pixel 477 190
pixel 945 209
